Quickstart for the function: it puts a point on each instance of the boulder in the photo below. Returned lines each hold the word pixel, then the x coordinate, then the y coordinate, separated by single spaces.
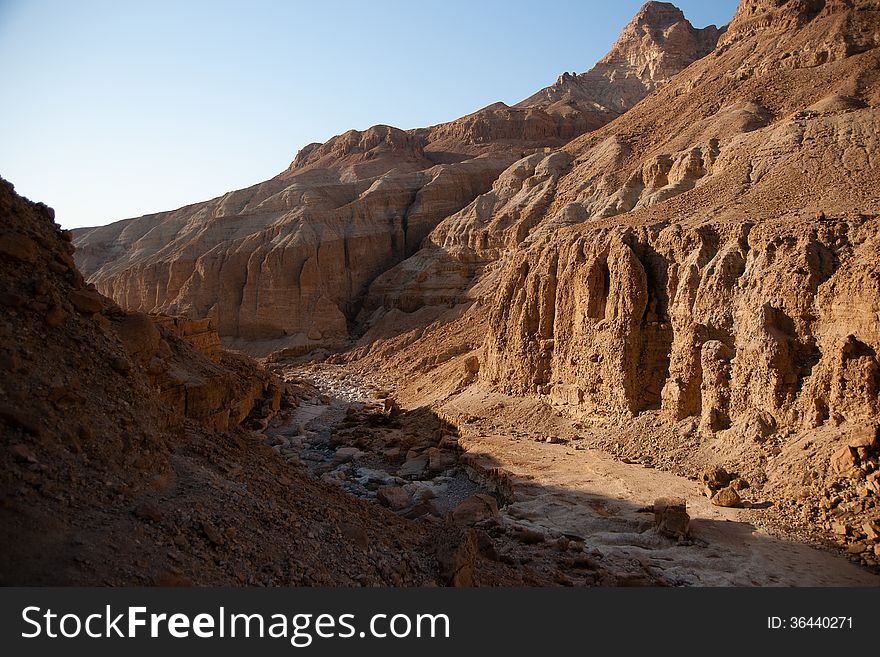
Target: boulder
pixel 716 478
pixel 727 497
pixel 87 302
pixel 477 508
pixel 139 336
pixel 671 517
pixel 413 467
pixel 393 497
pixel 440 460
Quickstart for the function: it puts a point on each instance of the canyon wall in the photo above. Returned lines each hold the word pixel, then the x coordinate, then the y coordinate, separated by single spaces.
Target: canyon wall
pixel 289 262
pixel 711 254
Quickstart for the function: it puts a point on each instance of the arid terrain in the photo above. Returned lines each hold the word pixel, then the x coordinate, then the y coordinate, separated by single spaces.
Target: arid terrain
pixel 624 332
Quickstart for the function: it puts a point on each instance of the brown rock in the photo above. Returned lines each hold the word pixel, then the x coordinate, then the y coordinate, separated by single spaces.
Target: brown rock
pixel 22 453
pixel 19 247
pixel 355 534
pixel 456 557
pixel 121 365
pixel 12 299
pixel 393 497
pixel 56 316
pixel 213 534
pixel 716 478
pixel 439 460
pixel 87 302
pixel 864 437
pixel 527 535
pixel 476 508
pixel 671 517
pixel 840 528
pixel 139 336
pixel 414 467
pixel 20 419
pixel 149 511
pixel 844 460
pixel 727 497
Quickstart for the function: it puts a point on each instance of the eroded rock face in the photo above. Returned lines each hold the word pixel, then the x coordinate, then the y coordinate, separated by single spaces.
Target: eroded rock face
pixel 713 321
pixel 718 267
pixel 287 258
pixel 290 260
pixel 657 44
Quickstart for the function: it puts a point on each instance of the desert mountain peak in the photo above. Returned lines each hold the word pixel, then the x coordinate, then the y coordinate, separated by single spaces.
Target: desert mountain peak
pixel 656 44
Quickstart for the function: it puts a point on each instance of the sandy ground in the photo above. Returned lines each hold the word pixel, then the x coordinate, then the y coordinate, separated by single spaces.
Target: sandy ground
pixel 590 495
pixel 566 490
pixel 587 493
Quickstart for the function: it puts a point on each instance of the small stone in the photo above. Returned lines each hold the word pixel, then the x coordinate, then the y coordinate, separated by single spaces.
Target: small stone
pixel 839 528
pixel 726 497
pixel 671 517
pixel 212 534
pixel 9 361
pixel 346 454
pixel 56 316
pixel 856 548
pixel 12 299
pixel 120 365
pixel 527 535
pixel 393 497
pixel 19 419
pixel 87 302
pixel 22 453
pixel 148 511
pixel 476 508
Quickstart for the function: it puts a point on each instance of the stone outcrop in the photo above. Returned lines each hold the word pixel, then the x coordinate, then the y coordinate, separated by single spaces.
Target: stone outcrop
pixel 656 45
pixel 723 298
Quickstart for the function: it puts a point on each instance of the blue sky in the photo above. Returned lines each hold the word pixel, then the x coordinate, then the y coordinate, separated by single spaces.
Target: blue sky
pixel 113 109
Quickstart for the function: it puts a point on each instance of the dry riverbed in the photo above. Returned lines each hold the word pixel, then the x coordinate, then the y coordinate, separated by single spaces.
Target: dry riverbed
pixel 560 512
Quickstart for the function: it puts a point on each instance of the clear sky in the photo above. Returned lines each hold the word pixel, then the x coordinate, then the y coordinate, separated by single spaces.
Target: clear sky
pixel 117 108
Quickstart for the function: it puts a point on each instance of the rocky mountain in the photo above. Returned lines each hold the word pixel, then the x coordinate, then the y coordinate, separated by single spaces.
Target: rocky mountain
pixel 656 45
pixel 700 273
pixel 288 262
pixel 671 258
pixel 133 452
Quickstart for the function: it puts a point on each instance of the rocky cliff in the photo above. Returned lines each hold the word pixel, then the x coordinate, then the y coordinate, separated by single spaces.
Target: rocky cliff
pixel 129 454
pixel 701 273
pixel 289 261
pixel 656 45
